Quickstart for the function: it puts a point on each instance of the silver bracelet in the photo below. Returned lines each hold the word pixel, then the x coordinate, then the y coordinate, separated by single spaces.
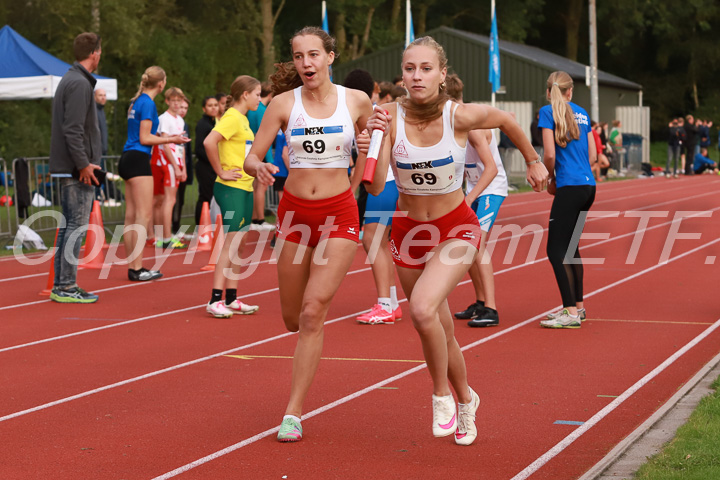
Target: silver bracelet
pixel 533 162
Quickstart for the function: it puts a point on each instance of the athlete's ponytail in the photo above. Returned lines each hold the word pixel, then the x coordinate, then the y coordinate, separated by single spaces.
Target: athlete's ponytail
pixel 566 127
pixel 152 76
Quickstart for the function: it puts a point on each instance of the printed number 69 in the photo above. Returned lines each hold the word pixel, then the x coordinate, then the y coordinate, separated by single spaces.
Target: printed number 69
pixel 319 146
pixel 419 178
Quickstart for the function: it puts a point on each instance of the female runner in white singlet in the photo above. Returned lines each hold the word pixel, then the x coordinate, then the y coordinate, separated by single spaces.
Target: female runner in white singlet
pixel 435 238
pixel 317 216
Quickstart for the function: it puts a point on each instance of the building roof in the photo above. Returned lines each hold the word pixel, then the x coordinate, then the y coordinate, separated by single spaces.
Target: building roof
pixel 542 58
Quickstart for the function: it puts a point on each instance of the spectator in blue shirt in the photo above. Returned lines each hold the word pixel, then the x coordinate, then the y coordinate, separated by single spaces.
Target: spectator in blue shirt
pixel 569 150
pixel 703 163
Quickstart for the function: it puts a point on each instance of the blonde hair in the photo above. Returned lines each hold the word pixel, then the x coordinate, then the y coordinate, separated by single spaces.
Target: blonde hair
pixel 152 76
pixel 566 127
pixel 175 92
pixel 422 114
pixel 242 84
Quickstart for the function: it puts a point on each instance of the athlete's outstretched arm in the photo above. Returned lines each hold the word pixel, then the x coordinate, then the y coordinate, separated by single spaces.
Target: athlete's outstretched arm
pixel 473 116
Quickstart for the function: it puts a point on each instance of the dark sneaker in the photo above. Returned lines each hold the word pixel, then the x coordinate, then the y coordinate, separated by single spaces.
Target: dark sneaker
pixel 488 318
pixel 72 295
pixel 143 275
pixel 472 311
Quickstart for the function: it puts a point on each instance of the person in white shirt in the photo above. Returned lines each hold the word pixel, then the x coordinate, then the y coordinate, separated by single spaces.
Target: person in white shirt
pixel 168 165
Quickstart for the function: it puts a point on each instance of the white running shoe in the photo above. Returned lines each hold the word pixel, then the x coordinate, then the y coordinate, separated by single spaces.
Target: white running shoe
pixel 564 320
pixel 444 416
pixel 581 314
pixel 241 308
pixel 466 432
pixel 219 310
pixel 267 226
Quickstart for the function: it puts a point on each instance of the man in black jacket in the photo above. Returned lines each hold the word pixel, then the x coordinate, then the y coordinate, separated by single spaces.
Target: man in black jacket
pixel 75 150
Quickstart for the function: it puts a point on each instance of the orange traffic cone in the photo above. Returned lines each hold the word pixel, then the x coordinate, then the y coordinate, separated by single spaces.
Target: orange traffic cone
pixel 92 252
pixel 51 273
pixel 218 240
pixel 204 241
pixel 96 210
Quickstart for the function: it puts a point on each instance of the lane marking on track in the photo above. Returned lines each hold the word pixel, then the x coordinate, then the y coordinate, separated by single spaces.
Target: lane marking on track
pixel 143 284
pixel 608 396
pixel 600 187
pixel 157 315
pixel 635 232
pixel 501 219
pixel 166 370
pixel 121 262
pixel 464 282
pixel 128 285
pixel 406 373
pixel 595 419
pixel 666 322
pixel 709 260
pixel 290 357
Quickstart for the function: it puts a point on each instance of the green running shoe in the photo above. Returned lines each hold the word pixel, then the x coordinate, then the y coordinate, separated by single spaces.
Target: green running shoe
pixel 290 431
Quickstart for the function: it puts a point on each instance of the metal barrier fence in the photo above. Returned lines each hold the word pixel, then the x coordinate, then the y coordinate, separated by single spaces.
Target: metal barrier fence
pixel 45 196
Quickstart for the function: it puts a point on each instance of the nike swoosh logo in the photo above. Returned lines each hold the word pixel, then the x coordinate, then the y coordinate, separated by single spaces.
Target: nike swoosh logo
pixel 448 425
pixel 460 435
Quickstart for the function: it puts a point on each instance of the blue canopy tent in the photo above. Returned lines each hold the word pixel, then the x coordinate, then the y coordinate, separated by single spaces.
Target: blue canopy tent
pixel 27 71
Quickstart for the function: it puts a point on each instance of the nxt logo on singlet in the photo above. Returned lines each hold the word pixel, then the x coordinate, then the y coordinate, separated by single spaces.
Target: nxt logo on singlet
pixel 421 165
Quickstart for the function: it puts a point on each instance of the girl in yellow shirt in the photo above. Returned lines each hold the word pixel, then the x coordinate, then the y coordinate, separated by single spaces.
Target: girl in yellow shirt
pixel 227 147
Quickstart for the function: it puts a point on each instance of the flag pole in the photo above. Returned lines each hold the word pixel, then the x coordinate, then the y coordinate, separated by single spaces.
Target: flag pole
pixel 409 30
pixel 492 18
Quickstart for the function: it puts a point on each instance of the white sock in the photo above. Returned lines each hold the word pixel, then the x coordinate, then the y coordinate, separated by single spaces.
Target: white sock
pixel 393 298
pixel 293 417
pixel 385 303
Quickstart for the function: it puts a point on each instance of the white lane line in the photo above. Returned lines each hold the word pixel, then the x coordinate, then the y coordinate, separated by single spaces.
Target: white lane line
pixel 674 202
pixel 595 419
pixel 126 285
pixel 401 375
pixel 605 188
pixel 131 285
pixel 120 262
pixel 159 372
pixel 499 272
pixel 141 319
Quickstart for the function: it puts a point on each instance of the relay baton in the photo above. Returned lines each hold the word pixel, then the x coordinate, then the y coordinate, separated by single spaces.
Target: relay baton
pixel 372 155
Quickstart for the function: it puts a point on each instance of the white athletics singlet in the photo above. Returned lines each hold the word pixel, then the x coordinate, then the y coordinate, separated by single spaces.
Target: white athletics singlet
pixel 474 168
pixel 434 170
pixel 320 142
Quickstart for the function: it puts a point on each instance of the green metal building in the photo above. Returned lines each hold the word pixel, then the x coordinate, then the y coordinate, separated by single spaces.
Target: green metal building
pixel 524 71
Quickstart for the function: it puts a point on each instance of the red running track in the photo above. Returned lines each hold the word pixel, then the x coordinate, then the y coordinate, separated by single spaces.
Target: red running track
pixel 144 385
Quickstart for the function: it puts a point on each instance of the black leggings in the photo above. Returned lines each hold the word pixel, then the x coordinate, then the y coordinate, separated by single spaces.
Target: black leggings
pixel 206 182
pixel 569 203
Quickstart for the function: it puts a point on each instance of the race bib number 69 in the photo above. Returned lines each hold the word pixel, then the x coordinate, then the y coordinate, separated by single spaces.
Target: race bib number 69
pixel 317 144
pixel 430 177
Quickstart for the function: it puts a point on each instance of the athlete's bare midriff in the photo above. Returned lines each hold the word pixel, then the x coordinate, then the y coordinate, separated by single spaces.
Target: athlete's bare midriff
pixel 317 183
pixel 425 208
